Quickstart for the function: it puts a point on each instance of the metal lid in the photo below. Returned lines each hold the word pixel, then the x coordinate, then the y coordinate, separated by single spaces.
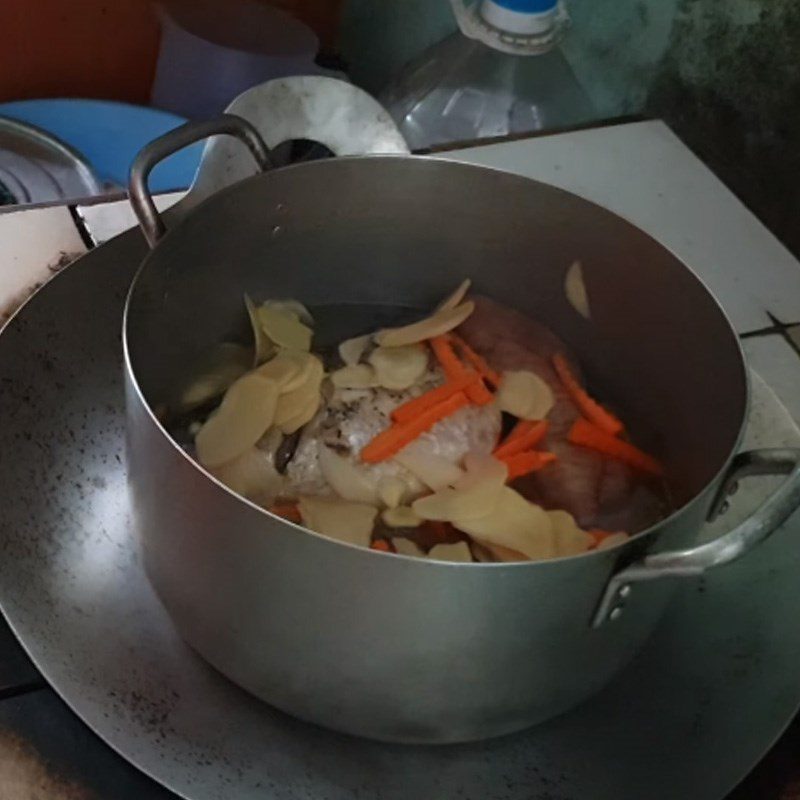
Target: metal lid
pixel 36 167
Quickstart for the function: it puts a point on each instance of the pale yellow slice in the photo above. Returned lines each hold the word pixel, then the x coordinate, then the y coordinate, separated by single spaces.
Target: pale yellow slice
pixel 244 415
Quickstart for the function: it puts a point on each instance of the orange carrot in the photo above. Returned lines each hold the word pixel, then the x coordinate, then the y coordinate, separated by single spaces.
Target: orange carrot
pixel 478 393
pixel 522 438
pixel 442 347
pixel 447 358
pixel 395 438
pixel 521 464
pixel 477 361
pixel 585 434
pixel 413 408
pixel 590 409
pixel 288 511
pixel 599 535
pixel 382 545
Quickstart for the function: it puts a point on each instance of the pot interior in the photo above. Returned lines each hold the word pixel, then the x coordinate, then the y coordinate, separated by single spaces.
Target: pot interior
pixel 364 241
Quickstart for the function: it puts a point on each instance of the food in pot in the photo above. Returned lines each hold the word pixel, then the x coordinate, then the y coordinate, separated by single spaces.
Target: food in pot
pixel 465 436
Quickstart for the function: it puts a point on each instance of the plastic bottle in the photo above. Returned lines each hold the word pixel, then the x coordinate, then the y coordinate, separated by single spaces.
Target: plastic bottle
pixel 501 73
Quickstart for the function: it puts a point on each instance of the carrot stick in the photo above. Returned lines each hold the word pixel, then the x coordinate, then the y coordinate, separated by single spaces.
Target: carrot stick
pixel 447 358
pixel 585 434
pixel 395 438
pixel 599 535
pixel 413 408
pixel 382 545
pixel 524 439
pixel 288 511
pixel 590 409
pixel 477 361
pixel 454 369
pixel 478 393
pixel 523 463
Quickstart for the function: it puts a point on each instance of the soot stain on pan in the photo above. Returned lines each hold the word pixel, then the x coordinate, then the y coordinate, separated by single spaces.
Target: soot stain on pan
pixel 729 86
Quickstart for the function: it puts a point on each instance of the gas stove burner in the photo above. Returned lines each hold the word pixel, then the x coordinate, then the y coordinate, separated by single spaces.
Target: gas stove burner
pixel 7 198
pixel 36 167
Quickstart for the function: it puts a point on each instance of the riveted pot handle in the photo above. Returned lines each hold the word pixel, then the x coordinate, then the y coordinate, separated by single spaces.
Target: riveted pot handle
pixel 732 545
pixel 151 154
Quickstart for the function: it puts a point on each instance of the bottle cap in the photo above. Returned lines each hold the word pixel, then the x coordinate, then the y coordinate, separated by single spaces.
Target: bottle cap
pixel 521 17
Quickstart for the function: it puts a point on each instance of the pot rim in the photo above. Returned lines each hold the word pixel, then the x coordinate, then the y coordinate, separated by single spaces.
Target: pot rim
pixel 676 515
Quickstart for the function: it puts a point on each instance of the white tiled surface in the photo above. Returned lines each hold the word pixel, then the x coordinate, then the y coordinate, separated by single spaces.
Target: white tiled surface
pixel 105 220
pixel 33 246
pixel 779 365
pixel 643 172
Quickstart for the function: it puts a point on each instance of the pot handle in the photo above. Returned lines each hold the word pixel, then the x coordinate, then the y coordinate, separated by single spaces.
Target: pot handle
pixel 151 154
pixel 732 545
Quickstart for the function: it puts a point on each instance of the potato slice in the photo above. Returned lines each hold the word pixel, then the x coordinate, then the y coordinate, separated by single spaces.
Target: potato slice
pixel 225 363
pixel 284 330
pixel 399 367
pixel 401 517
pixel 262 345
pixel 309 366
pixel 391 490
pixel 493 553
pixel 296 400
pixel 473 496
pixel 355 376
pixel 305 414
pixel 525 395
pixel 575 289
pixel 405 547
pixel 339 519
pixel 435 471
pixel 244 415
pixel 513 523
pixel 458 552
pixel 613 541
pixel 284 368
pixel 290 308
pixel 456 297
pixel 439 323
pixel 570 540
pixel 351 350
pixel 346 478
pixel 252 475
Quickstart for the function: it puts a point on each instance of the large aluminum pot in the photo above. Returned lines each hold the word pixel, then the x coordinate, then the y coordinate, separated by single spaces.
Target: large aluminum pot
pixel 391 647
